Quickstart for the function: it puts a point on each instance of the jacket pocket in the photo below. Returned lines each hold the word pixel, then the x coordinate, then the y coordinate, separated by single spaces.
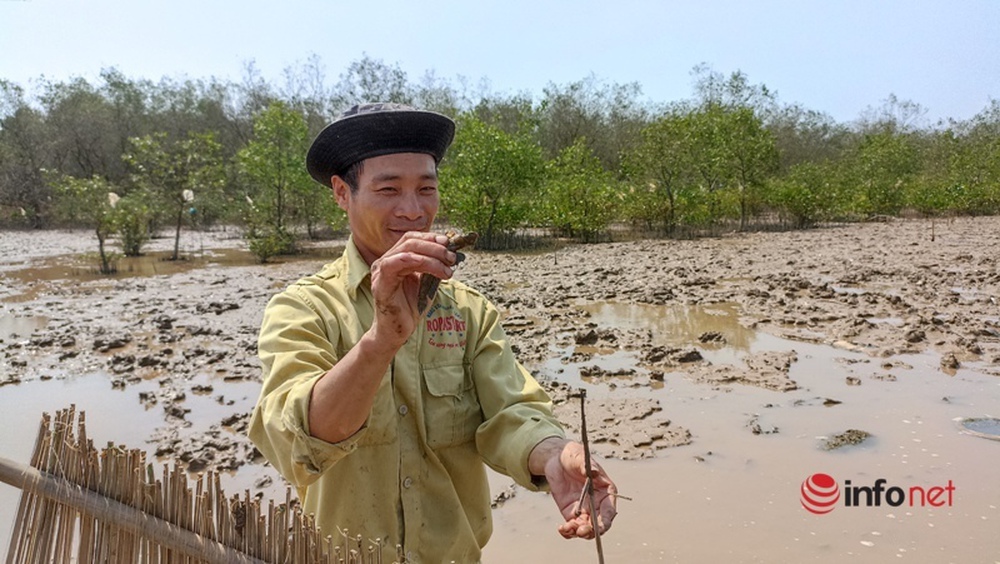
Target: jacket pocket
pixel 451 406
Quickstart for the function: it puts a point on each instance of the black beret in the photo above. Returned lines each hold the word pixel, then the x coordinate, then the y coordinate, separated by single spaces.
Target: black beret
pixel 372 130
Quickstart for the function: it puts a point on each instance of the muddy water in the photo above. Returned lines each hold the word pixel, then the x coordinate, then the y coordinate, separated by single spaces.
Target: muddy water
pixel 680 325
pixel 735 497
pixel 112 416
pixel 118 416
pixel 79 268
pixel 13 327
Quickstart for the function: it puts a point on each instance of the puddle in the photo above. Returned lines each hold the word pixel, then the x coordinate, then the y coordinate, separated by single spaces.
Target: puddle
pixel 576 373
pixel 986 427
pixel 682 326
pixel 82 267
pixel 966 294
pixel 112 414
pixel 26 283
pixel 606 367
pixel 14 327
pixel 676 324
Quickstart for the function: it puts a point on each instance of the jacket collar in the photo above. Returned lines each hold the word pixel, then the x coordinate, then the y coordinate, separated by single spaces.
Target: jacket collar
pixel 357 269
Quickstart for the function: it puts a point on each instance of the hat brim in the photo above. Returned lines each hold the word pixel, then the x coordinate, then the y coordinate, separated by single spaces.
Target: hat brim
pixel 366 135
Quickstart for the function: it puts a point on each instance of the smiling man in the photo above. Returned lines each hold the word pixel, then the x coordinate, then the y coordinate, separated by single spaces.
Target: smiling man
pixel 381 415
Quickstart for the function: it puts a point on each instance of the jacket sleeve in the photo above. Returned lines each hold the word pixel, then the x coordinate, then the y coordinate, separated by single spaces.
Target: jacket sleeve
pixel 296 347
pixel 517 411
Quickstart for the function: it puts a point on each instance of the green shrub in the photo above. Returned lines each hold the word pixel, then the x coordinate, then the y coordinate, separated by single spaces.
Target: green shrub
pixel 267 243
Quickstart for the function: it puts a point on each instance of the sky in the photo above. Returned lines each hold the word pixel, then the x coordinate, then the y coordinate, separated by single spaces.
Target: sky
pixel 837 57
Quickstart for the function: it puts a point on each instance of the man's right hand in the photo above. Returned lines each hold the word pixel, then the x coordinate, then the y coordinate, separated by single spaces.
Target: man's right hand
pixel 396 280
pixel 342 399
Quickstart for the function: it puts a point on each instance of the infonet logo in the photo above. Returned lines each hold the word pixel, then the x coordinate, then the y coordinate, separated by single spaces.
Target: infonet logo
pixel 820 494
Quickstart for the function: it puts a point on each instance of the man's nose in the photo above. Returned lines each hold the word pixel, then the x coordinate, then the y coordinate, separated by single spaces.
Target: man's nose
pixel 409 207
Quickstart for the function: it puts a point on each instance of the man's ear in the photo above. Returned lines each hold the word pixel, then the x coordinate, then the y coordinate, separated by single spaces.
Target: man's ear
pixel 341 192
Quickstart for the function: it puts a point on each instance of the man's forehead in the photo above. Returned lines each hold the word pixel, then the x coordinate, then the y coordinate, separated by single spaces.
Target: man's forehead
pixel 399 165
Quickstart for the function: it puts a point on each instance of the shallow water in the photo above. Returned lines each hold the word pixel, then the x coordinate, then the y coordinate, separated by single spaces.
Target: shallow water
pixel 675 324
pixel 734 496
pixel 17 327
pixel 114 416
pixel 156 263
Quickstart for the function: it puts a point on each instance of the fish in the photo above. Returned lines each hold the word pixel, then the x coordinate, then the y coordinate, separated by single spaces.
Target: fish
pixel 428 283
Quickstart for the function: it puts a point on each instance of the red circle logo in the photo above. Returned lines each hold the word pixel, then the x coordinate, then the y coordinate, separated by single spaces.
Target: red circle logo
pixel 820 493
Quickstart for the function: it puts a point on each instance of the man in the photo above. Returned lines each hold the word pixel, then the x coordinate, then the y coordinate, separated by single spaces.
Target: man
pixel 381 415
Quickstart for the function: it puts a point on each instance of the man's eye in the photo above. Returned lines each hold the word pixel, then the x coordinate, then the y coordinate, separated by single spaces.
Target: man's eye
pixel 429 189
pixel 386 189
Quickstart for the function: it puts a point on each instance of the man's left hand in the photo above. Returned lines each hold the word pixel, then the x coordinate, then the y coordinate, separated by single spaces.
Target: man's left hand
pixel 564 466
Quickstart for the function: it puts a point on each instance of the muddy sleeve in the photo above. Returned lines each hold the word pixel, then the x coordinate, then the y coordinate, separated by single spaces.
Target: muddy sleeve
pixel 517 411
pixel 296 349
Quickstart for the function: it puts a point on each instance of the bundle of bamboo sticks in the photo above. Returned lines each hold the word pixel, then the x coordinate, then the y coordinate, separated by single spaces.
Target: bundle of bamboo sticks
pixel 78 504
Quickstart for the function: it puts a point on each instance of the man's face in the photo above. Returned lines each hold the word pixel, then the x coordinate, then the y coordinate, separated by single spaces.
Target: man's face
pixel 395 194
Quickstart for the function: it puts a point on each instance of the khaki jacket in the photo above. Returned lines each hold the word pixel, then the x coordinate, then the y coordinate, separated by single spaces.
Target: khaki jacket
pixel 453 398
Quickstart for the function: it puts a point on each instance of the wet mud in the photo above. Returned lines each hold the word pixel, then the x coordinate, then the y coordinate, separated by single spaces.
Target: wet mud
pixel 711 351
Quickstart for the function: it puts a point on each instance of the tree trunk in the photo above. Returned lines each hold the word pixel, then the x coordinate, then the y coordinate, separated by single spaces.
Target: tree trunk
pixel 489 226
pixel 105 265
pixel 177 233
pixel 743 208
pixel 671 213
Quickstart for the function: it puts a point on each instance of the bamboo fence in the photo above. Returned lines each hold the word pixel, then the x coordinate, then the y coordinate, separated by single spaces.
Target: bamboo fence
pixel 81 505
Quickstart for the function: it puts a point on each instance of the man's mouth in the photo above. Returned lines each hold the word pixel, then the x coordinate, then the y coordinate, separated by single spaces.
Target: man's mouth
pixel 402 231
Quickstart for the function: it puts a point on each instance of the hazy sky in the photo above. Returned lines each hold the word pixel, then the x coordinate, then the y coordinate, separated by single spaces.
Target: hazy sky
pixel 838 57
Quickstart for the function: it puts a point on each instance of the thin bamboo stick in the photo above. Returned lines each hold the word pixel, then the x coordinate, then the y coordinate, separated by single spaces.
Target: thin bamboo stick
pixel 26 504
pixel 589 487
pixel 44 516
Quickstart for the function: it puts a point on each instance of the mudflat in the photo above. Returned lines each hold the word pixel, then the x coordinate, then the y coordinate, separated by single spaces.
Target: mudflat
pixel 722 374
